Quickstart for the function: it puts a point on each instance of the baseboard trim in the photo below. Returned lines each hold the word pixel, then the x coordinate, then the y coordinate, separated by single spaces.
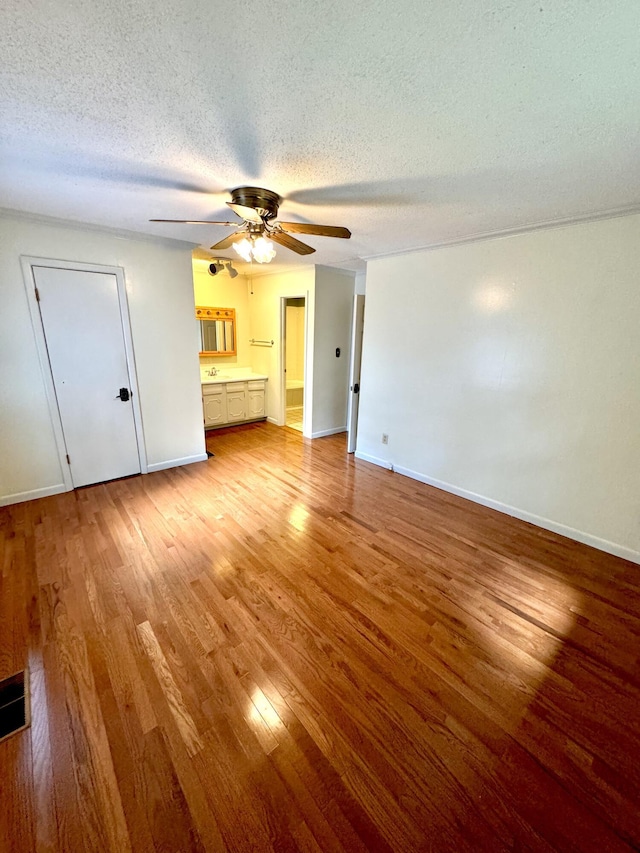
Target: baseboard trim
pixel 175 463
pixel 33 495
pixel 274 421
pixel 321 433
pixel 538 520
pixel 375 460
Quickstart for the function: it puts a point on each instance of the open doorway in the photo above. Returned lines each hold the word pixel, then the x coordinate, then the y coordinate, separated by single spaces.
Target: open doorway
pixel 294 357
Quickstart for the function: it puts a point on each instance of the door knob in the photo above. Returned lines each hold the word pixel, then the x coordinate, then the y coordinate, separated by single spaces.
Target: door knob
pixel 123 395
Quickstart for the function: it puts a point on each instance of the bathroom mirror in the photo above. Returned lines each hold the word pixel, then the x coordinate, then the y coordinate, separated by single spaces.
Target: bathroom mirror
pixel 217 330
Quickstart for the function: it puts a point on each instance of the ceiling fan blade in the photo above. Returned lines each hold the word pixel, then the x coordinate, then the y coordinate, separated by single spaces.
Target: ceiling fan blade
pixel 320 230
pixel 196 221
pixel 244 212
pixel 201 254
pixel 229 241
pixel 290 242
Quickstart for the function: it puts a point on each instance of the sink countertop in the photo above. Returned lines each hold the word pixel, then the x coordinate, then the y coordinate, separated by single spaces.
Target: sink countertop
pixel 224 378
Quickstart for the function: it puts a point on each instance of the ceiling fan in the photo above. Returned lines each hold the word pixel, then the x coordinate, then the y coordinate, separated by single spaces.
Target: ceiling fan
pixel 258 210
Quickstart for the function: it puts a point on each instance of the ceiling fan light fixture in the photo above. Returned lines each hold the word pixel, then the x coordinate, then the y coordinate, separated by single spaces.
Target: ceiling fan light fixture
pixel 244 248
pixel 254 248
pixel 263 250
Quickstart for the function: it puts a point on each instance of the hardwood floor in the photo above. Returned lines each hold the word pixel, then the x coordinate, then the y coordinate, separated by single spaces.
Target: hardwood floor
pixel 284 648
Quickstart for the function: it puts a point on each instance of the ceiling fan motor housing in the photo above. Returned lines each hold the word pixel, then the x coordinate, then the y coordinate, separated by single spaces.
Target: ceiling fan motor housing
pixel 264 202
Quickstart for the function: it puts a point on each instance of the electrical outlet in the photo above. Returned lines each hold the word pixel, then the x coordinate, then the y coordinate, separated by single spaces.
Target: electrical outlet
pixel 385 438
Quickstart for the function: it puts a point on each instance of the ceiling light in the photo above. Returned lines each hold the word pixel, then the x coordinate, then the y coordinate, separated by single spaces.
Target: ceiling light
pixel 263 250
pixel 255 248
pixel 232 272
pixel 244 248
pixel 220 265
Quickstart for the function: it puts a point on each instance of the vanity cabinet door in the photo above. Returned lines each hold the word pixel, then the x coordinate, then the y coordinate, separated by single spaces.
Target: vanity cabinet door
pixel 256 404
pixel 214 407
pixel 236 403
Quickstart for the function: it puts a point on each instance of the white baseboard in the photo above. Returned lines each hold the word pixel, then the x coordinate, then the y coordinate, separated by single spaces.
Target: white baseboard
pixel 174 463
pixel 21 497
pixel 321 433
pixel 375 460
pixel 523 515
pixel 274 421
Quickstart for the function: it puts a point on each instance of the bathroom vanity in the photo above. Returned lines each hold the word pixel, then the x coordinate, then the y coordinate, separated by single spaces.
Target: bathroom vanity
pixel 233 398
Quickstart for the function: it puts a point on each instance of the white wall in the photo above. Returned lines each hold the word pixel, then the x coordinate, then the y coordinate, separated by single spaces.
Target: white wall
pixel 509 370
pixel 265 317
pixel 222 291
pixel 334 307
pixel 160 294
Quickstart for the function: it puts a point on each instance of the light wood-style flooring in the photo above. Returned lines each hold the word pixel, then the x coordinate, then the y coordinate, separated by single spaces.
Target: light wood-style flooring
pixel 285 649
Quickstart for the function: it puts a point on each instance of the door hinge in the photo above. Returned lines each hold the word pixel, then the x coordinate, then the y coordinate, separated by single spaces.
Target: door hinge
pixel 68 460
pixel 37 295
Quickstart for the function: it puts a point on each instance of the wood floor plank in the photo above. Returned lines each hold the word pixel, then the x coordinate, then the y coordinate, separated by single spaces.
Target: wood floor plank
pixel 175 700
pixel 17 812
pixel 102 818
pixel 41 769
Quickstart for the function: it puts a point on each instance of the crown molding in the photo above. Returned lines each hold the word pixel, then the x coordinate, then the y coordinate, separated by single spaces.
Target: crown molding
pixel 288 271
pixel 125 234
pixel 302 267
pixel 121 233
pixel 543 225
pixel 339 270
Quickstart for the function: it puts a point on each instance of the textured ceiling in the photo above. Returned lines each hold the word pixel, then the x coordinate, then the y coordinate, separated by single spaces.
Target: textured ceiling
pixel 412 123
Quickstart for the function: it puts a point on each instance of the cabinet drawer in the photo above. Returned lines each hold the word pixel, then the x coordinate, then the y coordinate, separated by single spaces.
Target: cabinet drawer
pixel 255 385
pixel 207 390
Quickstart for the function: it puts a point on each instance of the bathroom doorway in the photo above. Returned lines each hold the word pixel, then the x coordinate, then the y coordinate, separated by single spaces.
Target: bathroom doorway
pixel 294 352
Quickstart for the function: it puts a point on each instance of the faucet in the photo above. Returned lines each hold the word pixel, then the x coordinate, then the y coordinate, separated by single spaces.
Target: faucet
pixel 213 371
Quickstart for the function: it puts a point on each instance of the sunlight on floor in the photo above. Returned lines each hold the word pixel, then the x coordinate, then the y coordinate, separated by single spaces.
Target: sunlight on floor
pixel 298 517
pixel 261 712
pixel 524 631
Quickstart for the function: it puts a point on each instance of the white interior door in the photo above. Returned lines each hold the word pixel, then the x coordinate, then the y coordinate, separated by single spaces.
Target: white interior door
pixel 354 378
pixel 84 335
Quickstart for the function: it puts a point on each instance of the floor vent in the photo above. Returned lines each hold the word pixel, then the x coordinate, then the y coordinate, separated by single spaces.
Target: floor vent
pixel 14 704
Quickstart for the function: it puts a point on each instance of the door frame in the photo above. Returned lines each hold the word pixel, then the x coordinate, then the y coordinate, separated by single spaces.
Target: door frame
pixel 282 363
pixel 28 263
pixel 353 406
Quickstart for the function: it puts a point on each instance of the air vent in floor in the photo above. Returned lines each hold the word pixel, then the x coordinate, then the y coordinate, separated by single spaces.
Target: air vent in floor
pixel 14 704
